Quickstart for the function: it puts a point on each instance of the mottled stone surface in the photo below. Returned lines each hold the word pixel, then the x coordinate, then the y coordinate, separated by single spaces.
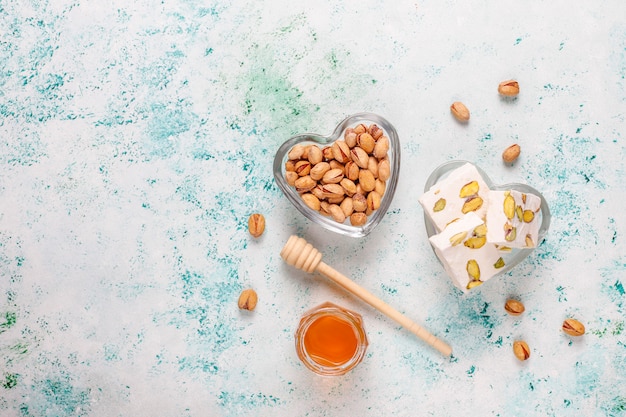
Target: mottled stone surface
pixel 136 137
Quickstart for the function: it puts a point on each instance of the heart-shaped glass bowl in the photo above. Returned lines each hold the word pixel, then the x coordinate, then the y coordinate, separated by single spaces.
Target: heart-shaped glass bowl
pixel 313 138
pixel 516 255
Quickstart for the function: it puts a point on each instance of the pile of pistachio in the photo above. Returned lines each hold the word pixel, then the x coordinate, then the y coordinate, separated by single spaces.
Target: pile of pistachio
pixel 345 180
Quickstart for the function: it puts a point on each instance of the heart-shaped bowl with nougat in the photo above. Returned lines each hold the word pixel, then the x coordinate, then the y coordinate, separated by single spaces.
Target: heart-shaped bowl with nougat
pixel 479 229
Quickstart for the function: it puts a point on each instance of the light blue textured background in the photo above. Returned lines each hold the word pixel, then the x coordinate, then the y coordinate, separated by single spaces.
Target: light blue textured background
pixel 137 136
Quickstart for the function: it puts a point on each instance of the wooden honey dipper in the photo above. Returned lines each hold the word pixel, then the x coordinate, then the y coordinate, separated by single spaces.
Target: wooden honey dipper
pixel 301 254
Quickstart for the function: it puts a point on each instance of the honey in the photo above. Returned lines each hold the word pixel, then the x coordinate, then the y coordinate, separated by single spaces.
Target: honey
pixel 330 340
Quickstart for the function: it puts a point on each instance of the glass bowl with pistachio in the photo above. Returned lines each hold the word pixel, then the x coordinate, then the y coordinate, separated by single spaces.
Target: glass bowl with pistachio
pixel 344 181
pixel 479 229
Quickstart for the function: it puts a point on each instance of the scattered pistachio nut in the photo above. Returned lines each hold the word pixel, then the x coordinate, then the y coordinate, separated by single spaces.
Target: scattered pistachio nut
pixel 509 88
pixel 256 224
pixel 573 327
pixel 460 111
pixel 247 299
pixel 514 307
pixel 521 350
pixel 510 154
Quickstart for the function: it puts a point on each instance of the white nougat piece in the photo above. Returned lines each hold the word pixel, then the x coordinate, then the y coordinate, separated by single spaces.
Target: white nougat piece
pixel 462 191
pixel 468 258
pixel 512 219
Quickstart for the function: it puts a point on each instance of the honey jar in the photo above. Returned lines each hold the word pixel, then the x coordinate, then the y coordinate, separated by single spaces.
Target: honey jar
pixel 331 340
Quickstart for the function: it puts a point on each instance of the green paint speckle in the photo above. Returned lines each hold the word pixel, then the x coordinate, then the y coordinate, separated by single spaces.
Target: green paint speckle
pixel 270 91
pixel 64 398
pixel 388 289
pixel 10 381
pixel 9 321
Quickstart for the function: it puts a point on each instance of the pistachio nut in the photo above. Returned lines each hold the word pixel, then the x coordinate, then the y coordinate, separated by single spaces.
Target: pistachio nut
pixel 510 154
pixel 347 206
pixel 375 131
pixel 460 111
pixel 509 206
pixel 303 167
pixel 311 201
pixel 510 232
pixel 439 205
pixel 366 180
pixel 360 128
pixel 366 142
pixel 350 137
pixel 481 230
pixel 475 242
pixel 508 88
pixel 359 202
pixel 315 155
pixel 358 219
pixel 521 350
pixel 384 170
pixel 473 284
pixel 514 307
pixel 337 213
pixel 381 148
pixel 472 204
pixel 528 216
pixel 372 166
pixel 341 151
pixel 256 224
pixel 469 189
pixel 360 157
pixel 349 186
pixel 247 299
pixel 352 170
pixel 333 176
pixel 296 152
pixel 458 238
pixel 304 184
pixel 573 327
pixel 318 171
pixel 373 201
pixel 473 270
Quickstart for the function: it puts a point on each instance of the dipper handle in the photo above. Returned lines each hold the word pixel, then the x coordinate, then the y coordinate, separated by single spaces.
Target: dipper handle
pixel 297 252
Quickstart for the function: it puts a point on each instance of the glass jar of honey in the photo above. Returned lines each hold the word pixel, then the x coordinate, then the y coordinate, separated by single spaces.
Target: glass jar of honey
pixel 331 340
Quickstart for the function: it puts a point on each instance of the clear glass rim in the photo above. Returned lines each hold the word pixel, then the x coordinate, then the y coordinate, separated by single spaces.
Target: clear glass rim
pixel 517 254
pixel 317 218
